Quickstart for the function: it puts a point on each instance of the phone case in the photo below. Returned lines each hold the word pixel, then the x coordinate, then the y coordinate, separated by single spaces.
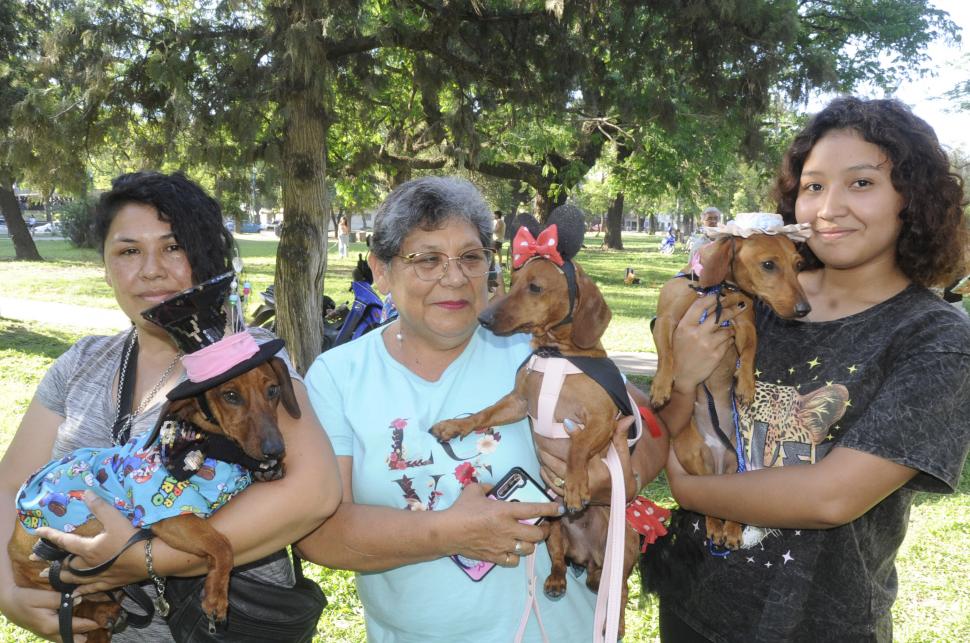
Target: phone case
pixel 515 486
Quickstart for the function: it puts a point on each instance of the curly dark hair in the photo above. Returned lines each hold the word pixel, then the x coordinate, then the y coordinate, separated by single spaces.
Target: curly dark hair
pixel 195 217
pixel 931 245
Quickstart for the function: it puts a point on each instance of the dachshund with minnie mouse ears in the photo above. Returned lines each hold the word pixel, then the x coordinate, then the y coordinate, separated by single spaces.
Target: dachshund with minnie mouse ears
pixel 567 376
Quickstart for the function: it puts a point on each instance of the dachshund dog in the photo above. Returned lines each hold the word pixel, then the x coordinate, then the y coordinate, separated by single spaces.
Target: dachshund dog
pixel 539 302
pixel 737 269
pixel 240 411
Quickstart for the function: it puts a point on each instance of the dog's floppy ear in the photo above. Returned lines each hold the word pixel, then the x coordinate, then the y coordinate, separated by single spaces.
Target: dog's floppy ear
pixel 287 397
pixel 183 409
pixel 716 259
pixel 592 315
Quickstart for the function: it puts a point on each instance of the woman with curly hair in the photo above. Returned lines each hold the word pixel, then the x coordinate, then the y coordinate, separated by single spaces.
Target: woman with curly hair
pixel 158 235
pixel 859 405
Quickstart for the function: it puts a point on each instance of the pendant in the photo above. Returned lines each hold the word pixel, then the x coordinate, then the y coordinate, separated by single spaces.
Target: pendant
pixel 161 605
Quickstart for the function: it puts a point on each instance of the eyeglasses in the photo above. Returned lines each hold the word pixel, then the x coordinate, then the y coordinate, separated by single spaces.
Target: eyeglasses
pixel 432 266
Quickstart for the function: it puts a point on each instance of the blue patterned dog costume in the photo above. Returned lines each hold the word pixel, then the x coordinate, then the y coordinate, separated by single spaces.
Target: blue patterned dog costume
pixel 155 476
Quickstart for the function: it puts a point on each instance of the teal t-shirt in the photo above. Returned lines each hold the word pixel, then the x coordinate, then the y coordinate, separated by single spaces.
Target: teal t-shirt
pixel 379 412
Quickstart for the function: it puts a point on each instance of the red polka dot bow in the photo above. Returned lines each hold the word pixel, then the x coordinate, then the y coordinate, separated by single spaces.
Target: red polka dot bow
pixel 525 246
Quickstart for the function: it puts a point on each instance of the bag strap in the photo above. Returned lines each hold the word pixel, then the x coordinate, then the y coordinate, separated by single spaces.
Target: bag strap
pixel 121 430
pixel 297 564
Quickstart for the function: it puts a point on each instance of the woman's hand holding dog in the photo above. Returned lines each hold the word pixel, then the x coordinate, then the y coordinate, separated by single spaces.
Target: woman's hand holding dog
pixel 36 610
pixel 128 568
pixel 699 347
pixel 488 529
pixel 553 452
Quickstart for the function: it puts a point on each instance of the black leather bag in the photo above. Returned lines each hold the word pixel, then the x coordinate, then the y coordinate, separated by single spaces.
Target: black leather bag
pixel 258 611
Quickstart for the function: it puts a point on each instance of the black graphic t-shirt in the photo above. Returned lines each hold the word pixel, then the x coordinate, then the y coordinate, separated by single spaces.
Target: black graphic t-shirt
pixel 892 381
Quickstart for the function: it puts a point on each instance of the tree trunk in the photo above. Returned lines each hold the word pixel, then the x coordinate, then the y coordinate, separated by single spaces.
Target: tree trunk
pixel 23 243
pixel 301 259
pixel 614 224
pixel 545 203
pixel 652 222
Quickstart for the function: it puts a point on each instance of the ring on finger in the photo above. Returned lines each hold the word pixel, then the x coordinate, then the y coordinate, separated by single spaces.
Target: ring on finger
pixel 518 548
pixel 558 481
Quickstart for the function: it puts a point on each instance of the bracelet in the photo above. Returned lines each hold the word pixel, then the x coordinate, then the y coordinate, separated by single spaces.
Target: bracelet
pixel 161 605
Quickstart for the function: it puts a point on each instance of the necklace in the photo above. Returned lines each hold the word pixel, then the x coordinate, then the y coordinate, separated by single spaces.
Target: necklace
pixel 151 394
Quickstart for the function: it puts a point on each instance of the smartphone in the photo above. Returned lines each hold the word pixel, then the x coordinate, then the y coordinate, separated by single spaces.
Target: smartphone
pixel 515 486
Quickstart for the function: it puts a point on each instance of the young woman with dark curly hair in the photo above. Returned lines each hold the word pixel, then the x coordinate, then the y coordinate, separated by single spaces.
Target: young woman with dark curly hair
pixel 859 405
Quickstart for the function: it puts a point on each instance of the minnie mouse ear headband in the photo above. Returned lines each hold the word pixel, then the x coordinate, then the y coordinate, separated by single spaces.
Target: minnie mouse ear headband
pixel 746 224
pixel 216 350
pixel 559 241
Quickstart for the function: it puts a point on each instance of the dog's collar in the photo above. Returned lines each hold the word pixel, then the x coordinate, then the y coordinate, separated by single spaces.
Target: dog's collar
pixel 184 448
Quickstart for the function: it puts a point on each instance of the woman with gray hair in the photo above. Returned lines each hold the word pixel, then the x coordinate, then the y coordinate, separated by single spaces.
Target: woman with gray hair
pixel 415 521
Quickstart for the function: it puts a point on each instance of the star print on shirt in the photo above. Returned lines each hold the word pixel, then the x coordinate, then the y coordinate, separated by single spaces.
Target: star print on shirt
pixel 750 559
pixel 853 368
pixel 768 564
pixel 697 526
pixel 787 557
pixel 812 364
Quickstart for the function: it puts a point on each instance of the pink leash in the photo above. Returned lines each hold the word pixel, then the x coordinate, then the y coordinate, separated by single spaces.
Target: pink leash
pixel 606 620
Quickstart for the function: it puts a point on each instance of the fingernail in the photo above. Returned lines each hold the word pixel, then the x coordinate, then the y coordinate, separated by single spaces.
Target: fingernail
pixel 561 509
pixel 569 425
pixel 88 494
pixel 77 600
pixel 44 573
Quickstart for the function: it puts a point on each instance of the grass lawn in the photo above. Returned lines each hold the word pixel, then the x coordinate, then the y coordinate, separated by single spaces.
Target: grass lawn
pixel 75 276
pixel 934 563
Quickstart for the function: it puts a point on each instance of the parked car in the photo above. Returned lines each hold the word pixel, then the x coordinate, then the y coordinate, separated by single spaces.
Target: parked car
pixel 52 228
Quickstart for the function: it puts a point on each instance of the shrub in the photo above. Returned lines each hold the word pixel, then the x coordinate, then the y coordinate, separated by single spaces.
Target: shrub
pixel 77 218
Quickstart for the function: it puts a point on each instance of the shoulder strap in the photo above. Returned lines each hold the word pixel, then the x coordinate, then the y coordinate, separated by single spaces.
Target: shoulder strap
pixel 121 430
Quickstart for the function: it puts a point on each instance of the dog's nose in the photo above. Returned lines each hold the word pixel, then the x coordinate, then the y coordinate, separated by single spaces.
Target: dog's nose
pixel 802 308
pixel 486 319
pixel 272 447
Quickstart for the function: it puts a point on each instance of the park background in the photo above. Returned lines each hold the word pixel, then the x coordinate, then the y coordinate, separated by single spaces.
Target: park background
pixel 641 113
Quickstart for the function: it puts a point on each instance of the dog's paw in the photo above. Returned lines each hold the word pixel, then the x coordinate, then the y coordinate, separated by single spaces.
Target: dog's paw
pixel 448 429
pixel 732 535
pixel 215 605
pixel 660 390
pixel 555 587
pixel 715 530
pixel 744 389
pixel 576 496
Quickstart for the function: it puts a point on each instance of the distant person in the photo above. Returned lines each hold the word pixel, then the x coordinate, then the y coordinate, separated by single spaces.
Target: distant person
pixel 31 223
pixel 498 234
pixel 343 237
pixel 710 217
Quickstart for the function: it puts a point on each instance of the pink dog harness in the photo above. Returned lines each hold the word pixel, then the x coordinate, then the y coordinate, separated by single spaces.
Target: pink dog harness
pixel 606 620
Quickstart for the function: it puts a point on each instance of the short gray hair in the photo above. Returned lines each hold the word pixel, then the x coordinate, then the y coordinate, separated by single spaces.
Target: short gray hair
pixel 427 203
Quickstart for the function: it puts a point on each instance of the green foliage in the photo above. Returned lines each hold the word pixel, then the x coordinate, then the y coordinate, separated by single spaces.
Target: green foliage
pixel 77 221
